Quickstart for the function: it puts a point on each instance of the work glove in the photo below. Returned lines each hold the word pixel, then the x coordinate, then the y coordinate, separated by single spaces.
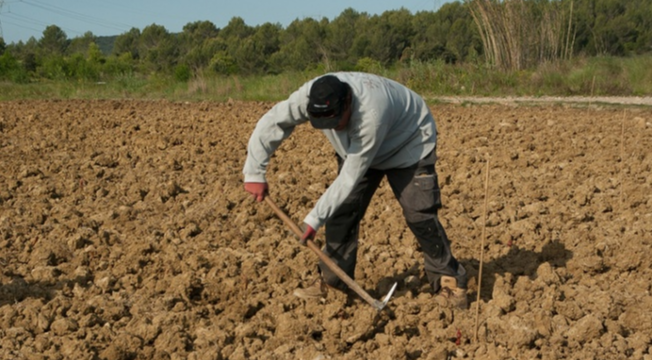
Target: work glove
pixel 309 234
pixel 258 190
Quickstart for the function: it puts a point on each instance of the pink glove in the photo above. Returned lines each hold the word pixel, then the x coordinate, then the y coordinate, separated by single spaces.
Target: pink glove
pixel 258 190
pixel 309 234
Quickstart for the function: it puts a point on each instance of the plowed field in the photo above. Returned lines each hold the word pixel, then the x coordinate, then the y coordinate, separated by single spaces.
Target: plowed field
pixel 125 234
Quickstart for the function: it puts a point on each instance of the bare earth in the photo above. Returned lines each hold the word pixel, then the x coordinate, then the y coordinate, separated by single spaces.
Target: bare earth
pixel 125 234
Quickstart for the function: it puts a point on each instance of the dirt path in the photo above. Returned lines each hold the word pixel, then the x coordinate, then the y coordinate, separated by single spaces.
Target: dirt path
pixel 125 234
pixel 530 100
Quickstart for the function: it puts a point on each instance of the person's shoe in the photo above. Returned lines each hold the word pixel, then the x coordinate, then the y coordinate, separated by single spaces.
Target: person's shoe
pixel 450 294
pixel 318 290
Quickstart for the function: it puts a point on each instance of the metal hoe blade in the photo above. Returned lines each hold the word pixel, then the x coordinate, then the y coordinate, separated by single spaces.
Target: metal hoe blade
pixel 380 305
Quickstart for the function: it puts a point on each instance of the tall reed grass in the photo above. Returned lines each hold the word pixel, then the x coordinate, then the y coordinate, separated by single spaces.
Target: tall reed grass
pixel 518 34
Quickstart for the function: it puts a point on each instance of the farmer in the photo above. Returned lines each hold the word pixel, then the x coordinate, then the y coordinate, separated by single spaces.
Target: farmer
pixel 378 128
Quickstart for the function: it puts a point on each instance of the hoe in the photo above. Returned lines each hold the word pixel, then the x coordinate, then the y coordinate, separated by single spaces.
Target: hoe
pixel 378 305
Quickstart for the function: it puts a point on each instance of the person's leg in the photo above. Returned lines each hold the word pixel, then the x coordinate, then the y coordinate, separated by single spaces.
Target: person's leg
pixel 417 190
pixel 341 229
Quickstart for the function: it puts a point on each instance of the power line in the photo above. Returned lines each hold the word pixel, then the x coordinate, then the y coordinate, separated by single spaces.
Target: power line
pixel 75 15
pixel 21 26
pixel 34 9
pixel 2 3
pixel 43 25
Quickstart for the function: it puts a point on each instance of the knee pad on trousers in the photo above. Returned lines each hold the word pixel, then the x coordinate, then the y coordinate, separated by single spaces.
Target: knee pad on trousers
pixel 430 238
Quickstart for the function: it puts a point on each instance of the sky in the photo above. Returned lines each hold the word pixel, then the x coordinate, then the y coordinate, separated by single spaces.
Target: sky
pixel 22 19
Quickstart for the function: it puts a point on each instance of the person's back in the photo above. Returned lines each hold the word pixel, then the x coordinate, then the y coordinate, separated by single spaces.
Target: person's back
pixel 409 133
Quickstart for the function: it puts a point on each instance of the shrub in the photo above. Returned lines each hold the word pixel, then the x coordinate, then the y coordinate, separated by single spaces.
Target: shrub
pixel 369 65
pixel 182 73
pixel 10 69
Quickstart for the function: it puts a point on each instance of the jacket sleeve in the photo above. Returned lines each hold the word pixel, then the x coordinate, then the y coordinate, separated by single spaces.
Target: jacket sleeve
pixel 274 127
pixel 364 144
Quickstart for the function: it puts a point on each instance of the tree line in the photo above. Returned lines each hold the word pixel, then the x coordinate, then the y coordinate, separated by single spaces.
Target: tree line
pixel 510 34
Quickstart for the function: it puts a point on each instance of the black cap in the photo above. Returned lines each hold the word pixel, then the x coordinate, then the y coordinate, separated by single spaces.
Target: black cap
pixel 326 101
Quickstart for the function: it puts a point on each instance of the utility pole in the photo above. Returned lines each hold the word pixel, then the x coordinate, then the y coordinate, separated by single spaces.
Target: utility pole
pixel 2 3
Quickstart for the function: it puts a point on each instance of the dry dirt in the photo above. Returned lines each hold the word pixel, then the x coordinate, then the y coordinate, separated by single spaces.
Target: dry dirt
pixel 125 234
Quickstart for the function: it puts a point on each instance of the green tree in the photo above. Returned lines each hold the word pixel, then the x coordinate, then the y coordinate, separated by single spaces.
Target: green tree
pixel 526 31
pixel 301 46
pixel 127 43
pixel 389 35
pixel 8 64
pixel 637 16
pixel 25 53
pixel 53 67
pixel 223 63
pixel 340 38
pixel 157 48
pixel 195 44
pixel 29 55
pixel 618 25
pixel 429 42
pixel 610 27
pixel 254 52
pixel 236 29
pixel 76 67
pixel 120 65
pixel 10 69
pixel 81 44
pixel 196 33
pixel 233 47
pixel 461 37
pixel 54 41
pixel 94 54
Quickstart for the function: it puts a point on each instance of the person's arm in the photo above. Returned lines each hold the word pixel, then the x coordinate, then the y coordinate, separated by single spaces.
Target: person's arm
pixel 364 144
pixel 274 127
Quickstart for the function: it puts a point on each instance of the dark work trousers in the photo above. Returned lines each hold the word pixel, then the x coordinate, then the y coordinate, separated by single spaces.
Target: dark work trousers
pixel 416 188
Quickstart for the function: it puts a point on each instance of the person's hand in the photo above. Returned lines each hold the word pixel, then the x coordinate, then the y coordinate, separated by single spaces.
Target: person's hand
pixel 258 190
pixel 309 234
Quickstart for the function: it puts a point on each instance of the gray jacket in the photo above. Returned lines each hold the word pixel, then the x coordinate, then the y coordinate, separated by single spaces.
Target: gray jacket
pixel 390 127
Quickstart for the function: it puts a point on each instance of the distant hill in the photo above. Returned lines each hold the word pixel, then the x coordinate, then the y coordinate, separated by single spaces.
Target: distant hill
pixel 106 43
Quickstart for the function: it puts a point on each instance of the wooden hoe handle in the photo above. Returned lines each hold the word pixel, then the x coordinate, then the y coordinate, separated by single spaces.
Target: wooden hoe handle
pixel 325 259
